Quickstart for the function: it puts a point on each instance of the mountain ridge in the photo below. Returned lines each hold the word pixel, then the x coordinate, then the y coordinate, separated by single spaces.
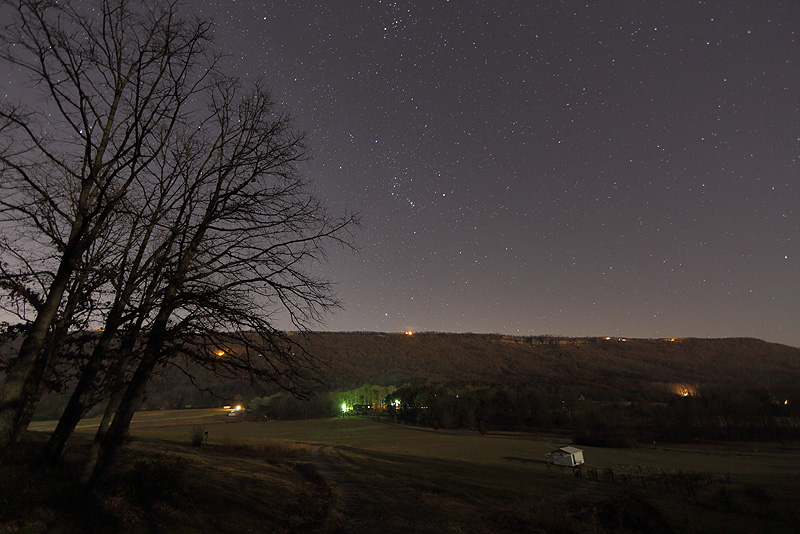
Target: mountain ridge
pixel 381 357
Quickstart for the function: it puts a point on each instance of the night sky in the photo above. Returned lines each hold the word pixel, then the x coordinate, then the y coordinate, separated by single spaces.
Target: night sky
pixel 615 168
pixel 571 168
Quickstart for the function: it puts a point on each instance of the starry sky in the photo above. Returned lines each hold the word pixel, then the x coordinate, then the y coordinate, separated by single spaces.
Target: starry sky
pixel 624 168
pixel 618 168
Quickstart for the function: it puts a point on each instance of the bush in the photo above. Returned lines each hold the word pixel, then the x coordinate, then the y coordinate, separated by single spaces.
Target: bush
pixel 309 472
pixel 536 516
pixel 724 500
pixel 757 494
pixel 157 479
pixel 628 512
pixel 198 435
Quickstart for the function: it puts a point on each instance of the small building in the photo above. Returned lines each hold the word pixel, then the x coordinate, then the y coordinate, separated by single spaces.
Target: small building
pixel 362 409
pixel 567 456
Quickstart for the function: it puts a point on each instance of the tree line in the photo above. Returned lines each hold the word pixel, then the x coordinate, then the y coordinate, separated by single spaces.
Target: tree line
pixel 592 416
pixel 152 213
pixel 602 418
pixel 282 406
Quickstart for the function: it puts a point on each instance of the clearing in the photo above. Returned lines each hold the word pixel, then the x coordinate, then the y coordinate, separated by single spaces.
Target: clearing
pixel 361 475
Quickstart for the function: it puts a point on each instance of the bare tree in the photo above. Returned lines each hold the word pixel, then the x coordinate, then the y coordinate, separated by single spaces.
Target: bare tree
pixel 111 88
pixel 74 315
pixel 135 278
pixel 242 243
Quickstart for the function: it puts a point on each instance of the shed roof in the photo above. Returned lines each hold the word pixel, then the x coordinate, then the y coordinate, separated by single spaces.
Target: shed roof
pixel 567 450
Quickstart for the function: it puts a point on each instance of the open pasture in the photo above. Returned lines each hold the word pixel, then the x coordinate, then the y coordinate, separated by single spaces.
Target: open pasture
pixel 146 420
pixel 526 451
pixel 499 478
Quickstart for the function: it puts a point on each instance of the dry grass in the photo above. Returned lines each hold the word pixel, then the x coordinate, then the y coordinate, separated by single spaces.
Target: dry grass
pixel 499 483
pixel 271 450
pixel 166 488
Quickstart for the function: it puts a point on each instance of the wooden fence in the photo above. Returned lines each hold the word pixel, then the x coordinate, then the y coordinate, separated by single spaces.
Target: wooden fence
pixel 685 483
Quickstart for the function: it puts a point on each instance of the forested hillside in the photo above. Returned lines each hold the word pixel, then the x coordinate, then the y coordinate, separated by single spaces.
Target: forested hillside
pixel 355 358
pixel 351 359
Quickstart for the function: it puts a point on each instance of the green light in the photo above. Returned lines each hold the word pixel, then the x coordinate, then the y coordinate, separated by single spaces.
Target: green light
pixel 344 407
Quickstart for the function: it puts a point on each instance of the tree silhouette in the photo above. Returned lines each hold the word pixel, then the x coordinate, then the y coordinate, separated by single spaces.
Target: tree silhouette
pixel 189 183
pixel 106 92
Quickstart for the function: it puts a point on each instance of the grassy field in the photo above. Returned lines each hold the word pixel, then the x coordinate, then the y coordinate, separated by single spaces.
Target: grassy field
pixel 497 482
pixel 757 460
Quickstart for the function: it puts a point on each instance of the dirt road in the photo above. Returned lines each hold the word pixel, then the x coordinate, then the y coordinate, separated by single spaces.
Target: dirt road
pixel 369 503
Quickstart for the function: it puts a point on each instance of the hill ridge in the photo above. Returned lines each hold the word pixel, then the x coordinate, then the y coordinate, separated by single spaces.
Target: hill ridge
pixel 387 357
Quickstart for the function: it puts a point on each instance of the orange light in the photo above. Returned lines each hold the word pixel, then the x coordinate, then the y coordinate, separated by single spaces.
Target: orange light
pixel 220 353
pixel 684 390
pixel 409 333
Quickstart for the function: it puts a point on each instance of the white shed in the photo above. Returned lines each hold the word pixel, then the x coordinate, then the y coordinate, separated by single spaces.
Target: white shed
pixel 568 456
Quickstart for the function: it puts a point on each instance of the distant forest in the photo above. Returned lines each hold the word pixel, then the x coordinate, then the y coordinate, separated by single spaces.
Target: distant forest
pixel 612 391
pixel 626 365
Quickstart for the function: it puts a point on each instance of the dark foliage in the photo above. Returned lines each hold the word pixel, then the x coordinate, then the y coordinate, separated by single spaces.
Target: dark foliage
pixel 629 512
pixel 159 479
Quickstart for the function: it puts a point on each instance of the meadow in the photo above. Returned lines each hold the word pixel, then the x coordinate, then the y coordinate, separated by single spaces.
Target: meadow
pixel 527 451
pixel 499 481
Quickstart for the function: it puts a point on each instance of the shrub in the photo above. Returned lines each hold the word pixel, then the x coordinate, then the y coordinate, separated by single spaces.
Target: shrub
pixel 157 479
pixel 757 494
pixel 536 515
pixel 309 472
pixel 627 512
pixel 198 435
pixel 724 500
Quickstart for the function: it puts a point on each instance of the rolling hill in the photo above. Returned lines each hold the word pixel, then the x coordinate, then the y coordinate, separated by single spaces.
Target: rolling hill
pixel 351 359
pixel 354 358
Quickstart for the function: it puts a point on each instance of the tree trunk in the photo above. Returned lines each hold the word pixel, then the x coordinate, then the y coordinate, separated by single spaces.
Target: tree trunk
pixel 42 370
pixel 113 405
pixel 26 372
pixel 118 387
pixel 79 402
pixel 81 397
pixel 112 442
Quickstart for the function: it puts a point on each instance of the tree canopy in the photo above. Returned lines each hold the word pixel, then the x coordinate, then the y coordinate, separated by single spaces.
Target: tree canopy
pixel 153 197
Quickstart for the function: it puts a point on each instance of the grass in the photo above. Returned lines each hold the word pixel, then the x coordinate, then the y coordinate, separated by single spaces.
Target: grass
pixel 155 419
pixel 176 489
pixel 498 482
pixel 271 450
pixel 507 449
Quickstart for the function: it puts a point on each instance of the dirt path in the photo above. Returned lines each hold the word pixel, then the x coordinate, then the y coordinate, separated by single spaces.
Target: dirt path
pixel 370 504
